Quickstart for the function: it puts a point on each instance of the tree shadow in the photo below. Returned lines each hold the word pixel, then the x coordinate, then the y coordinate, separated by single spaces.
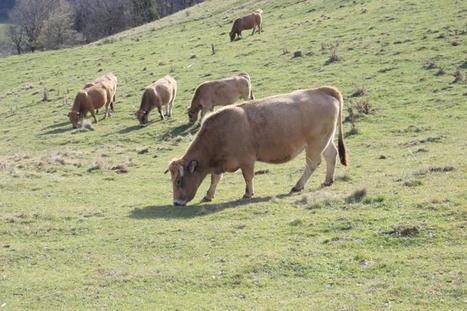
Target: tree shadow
pixel 197 210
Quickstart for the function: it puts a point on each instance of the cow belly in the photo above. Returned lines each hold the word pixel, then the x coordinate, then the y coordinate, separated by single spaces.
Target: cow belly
pixel 279 154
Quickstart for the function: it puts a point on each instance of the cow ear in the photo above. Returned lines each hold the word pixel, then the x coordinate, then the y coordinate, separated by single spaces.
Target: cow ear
pixel 192 166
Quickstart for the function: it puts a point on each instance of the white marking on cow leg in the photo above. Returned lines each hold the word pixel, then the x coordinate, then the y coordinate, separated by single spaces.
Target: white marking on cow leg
pixel 248 172
pixel 312 162
pixel 167 110
pixel 330 155
pixel 215 178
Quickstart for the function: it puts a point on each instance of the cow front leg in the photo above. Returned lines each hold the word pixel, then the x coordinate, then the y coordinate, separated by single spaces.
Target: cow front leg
pixel 160 112
pixel 204 111
pixel 215 178
pixel 248 172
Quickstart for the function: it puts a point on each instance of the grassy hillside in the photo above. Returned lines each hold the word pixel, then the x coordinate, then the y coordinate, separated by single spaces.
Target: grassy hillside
pixel 76 234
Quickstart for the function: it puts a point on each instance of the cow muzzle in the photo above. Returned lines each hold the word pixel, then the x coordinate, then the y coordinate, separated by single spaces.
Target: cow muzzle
pixel 179 203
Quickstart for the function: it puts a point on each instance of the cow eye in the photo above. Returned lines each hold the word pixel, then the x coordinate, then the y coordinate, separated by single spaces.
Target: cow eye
pixel 178 181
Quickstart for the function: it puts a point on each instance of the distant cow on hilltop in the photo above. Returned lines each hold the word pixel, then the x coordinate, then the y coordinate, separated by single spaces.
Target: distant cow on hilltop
pixel 252 21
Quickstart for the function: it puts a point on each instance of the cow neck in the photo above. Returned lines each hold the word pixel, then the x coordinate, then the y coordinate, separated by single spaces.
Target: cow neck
pixel 199 151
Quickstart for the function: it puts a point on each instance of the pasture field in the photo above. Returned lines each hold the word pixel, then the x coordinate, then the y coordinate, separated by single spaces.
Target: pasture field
pixel 389 234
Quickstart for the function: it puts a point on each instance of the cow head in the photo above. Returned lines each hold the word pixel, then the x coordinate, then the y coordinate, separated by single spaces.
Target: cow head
pixel 193 114
pixel 186 179
pixel 74 117
pixel 142 117
pixel 232 36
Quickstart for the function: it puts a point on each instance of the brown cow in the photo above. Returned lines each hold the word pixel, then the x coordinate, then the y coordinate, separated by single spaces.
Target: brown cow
pixel 219 93
pixel 88 100
pixel 271 130
pixel 160 93
pixel 109 83
pixel 253 20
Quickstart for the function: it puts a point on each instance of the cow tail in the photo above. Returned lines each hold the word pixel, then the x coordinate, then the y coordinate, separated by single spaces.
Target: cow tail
pixel 341 145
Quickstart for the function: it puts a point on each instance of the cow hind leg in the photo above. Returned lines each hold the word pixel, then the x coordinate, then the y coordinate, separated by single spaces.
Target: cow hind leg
pixel 107 111
pixel 112 104
pixel 330 155
pixel 248 172
pixel 94 116
pixel 215 178
pixel 171 104
pixel 313 159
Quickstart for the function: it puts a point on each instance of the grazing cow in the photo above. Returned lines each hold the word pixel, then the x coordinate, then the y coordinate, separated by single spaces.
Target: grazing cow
pixel 219 93
pixel 96 94
pixel 253 20
pixel 87 100
pixel 109 83
pixel 160 93
pixel 271 130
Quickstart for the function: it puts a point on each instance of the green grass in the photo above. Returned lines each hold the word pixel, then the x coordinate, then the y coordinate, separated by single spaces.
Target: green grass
pixel 76 238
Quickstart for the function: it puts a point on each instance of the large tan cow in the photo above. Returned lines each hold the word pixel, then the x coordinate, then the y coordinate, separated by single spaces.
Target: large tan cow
pixel 253 20
pixel 160 93
pixel 219 93
pixel 271 130
pixel 95 94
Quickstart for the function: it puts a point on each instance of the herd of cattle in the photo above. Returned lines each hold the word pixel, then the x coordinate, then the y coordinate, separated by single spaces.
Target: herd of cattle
pixel 271 130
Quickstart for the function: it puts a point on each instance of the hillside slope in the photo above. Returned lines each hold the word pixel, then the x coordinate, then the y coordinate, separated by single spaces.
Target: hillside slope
pixel 75 233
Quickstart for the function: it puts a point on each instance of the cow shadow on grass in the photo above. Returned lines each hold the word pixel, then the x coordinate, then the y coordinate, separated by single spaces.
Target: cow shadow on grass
pixel 191 211
pixel 182 130
pixel 57 130
pixel 54 126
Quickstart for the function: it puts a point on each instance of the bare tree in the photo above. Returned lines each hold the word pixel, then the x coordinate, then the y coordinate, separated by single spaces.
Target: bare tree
pixel 57 30
pixel 16 35
pixel 30 16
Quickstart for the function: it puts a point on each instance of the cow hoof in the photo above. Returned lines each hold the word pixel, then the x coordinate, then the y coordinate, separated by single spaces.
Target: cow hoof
pixel 327 183
pixel 295 190
pixel 206 199
pixel 247 197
